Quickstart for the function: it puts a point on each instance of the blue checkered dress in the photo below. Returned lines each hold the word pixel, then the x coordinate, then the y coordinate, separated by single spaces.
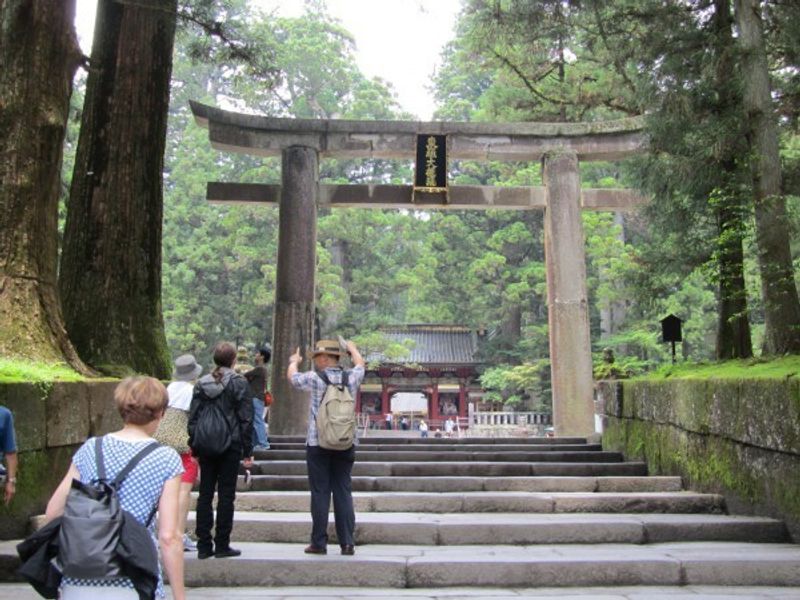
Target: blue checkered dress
pixel 311 382
pixel 138 494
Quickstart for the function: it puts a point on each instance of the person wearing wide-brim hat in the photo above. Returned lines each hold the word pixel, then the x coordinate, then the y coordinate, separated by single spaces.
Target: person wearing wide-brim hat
pixel 186 369
pixel 329 471
pixel 327 347
pixel 173 431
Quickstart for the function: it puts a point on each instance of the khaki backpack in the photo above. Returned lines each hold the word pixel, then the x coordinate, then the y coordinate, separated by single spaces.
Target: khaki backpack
pixel 336 416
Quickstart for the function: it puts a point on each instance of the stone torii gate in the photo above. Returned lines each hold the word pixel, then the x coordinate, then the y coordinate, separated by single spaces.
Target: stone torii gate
pixel 302 142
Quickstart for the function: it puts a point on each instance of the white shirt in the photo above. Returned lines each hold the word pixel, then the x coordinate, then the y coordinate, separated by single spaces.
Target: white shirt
pixel 180 394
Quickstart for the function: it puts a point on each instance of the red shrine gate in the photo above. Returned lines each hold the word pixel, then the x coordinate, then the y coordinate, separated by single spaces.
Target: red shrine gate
pixel 441 365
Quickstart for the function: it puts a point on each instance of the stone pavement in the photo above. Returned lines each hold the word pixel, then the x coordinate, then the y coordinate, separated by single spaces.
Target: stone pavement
pixel 24 592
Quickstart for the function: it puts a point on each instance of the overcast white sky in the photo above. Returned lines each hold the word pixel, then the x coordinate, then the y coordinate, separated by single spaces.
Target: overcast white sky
pixel 398 40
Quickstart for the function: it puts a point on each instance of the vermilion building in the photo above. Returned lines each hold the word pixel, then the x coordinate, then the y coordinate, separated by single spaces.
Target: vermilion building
pixel 442 366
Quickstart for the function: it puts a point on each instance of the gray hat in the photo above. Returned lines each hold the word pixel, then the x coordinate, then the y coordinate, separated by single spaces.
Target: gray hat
pixel 186 368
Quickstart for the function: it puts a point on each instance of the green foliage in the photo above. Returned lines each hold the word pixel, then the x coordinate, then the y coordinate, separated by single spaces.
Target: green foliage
pixel 775 368
pixel 15 371
pixel 517 386
pixel 512 60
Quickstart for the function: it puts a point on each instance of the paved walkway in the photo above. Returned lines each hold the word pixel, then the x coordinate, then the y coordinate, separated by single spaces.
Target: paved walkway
pixel 25 592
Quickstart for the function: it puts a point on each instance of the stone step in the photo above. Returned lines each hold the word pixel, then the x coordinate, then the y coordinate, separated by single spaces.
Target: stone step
pixel 378 439
pixel 507 566
pixel 556 483
pixel 390 566
pixel 429 529
pixel 439 471
pixel 455 455
pixel 506 502
pixel 368 445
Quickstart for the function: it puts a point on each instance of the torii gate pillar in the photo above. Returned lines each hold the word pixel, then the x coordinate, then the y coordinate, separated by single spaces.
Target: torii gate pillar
pixel 568 307
pixel 293 320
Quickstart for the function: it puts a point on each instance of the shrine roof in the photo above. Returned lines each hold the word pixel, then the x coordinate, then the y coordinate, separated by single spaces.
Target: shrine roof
pixel 435 344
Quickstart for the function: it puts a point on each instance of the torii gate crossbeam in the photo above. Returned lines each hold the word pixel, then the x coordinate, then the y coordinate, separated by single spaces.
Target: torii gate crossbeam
pixel 302 142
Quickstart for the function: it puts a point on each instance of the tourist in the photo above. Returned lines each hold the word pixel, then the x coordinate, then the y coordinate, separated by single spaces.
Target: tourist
pixel 155 482
pixel 173 431
pixel 448 427
pixel 423 428
pixel 404 423
pixel 257 378
pixel 8 455
pixel 329 471
pixel 219 473
pixel 388 418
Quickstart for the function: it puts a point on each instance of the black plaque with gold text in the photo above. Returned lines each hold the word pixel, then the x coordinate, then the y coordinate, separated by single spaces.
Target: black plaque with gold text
pixel 431 168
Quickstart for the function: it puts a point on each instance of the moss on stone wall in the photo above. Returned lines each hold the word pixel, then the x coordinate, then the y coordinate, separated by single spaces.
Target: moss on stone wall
pixel 39 474
pixel 51 420
pixel 737 438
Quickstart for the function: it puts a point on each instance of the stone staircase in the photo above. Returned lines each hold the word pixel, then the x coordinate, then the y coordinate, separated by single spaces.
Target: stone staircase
pixel 498 513
pixel 461 514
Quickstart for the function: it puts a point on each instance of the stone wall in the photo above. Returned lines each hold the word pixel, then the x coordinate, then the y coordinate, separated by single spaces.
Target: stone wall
pixel 51 421
pixel 740 438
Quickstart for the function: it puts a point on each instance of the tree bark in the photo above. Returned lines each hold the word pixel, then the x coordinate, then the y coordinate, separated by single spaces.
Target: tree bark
pixel 111 263
pixel 733 326
pixel 781 306
pixel 39 54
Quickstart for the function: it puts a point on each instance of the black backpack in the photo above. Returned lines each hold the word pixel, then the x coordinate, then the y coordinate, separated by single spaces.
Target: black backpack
pixel 92 522
pixel 212 430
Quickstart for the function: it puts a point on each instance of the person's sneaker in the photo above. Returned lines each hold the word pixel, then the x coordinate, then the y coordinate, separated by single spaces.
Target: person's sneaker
pixel 227 553
pixel 188 544
pixel 260 448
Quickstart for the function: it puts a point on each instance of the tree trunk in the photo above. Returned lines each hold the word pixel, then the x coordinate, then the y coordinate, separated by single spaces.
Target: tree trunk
pixel 39 55
pixel 111 263
pixel 733 326
pixel 781 306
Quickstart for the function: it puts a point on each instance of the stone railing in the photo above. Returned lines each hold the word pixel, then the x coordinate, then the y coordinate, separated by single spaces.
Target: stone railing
pixel 507 424
pixel 510 418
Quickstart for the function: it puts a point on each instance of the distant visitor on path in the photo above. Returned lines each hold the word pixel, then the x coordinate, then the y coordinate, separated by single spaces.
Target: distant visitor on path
pixel 8 455
pixel 257 379
pixel 423 428
pixel 173 431
pixel 153 483
pixel 388 420
pixel 329 471
pixel 448 427
pixel 221 436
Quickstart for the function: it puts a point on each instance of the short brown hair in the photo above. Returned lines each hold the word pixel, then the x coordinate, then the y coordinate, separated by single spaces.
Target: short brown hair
pixel 140 400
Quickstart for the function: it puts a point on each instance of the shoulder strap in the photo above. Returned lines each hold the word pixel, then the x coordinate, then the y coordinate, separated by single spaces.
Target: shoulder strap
pixel 98 458
pixel 133 462
pixel 324 377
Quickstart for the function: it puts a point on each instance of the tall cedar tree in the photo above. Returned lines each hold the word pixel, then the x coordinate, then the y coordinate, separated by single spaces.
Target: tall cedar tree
pixel 110 277
pixel 695 138
pixel 733 325
pixel 781 306
pixel 39 54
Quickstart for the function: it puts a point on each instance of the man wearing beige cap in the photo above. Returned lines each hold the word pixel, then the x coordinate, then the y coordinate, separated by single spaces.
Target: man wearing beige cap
pixel 329 471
